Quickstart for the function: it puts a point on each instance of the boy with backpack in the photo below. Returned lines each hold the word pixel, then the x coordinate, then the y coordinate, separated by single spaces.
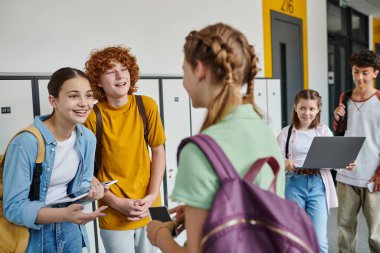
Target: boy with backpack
pixel 129 125
pixel 358 114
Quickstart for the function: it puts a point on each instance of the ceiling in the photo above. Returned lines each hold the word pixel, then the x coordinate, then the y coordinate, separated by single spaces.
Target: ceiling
pixel 368 7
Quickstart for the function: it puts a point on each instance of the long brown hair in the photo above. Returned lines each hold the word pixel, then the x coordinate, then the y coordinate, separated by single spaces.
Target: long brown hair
pixel 232 60
pixel 306 94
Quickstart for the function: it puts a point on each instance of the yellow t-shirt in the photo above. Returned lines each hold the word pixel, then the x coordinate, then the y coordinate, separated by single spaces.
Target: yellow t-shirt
pixel 125 156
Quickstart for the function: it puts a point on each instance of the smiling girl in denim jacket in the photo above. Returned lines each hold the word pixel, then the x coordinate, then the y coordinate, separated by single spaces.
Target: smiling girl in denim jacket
pixel 67 169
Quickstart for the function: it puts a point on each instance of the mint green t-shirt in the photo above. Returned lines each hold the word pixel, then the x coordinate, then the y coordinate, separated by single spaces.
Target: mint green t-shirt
pixel 244 137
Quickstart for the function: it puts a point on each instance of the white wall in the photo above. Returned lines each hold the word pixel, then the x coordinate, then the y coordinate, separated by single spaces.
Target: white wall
pixel 317 51
pixel 44 35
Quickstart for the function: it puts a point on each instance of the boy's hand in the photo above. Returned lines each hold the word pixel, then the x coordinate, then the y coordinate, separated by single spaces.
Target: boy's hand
pixel 340 111
pixel 351 166
pixel 129 208
pixel 376 179
pixel 144 204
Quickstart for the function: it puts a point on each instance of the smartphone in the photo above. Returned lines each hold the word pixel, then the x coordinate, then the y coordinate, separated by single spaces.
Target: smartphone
pixel 370 186
pixel 108 183
pixel 161 213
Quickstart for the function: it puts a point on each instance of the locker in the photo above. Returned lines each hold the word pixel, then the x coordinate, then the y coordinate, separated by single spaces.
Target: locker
pixel 267 95
pixel 197 117
pixel 176 118
pixel 16 108
pixel 45 107
pixel 274 105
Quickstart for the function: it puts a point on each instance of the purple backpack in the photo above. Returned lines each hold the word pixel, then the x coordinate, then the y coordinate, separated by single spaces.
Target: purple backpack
pixel 245 218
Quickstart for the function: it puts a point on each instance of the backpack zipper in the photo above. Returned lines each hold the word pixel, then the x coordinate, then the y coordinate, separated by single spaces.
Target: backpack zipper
pixel 234 222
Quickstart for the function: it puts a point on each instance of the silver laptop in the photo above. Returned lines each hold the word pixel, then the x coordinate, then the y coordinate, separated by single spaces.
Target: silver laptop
pixel 332 152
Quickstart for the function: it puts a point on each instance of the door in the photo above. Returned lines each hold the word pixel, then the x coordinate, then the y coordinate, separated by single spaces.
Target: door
pixel 338 75
pixel 287 59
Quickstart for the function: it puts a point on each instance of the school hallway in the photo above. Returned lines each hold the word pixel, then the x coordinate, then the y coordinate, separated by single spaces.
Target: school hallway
pixel 332 233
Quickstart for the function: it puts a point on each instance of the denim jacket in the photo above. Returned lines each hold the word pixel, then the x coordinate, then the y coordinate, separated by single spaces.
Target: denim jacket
pixel 18 171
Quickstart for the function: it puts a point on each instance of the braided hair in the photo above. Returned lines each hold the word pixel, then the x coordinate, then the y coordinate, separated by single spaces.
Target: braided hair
pixel 232 61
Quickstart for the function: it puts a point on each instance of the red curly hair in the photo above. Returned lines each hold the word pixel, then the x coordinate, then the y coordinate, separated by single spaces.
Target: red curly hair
pixel 102 60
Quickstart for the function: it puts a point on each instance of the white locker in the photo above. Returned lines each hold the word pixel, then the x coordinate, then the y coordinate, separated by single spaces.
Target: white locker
pixel 177 127
pixel 197 117
pixel 274 105
pixel 16 104
pixel 45 107
pixel 150 88
pixel 267 95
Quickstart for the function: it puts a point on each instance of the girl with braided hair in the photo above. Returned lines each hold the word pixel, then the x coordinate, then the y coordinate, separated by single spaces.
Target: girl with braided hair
pixel 218 62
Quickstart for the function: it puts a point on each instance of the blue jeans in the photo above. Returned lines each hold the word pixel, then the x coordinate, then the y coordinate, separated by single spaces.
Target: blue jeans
pixel 62 237
pixel 309 192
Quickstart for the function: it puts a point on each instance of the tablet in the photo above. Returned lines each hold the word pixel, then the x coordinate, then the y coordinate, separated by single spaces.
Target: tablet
pixel 332 152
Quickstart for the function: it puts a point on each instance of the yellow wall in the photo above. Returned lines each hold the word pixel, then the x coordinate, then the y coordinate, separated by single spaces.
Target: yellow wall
pixel 297 10
pixel 376 31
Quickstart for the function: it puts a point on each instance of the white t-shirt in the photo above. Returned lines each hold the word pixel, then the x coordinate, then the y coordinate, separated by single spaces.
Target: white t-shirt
pixel 302 145
pixel 363 120
pixel 66 164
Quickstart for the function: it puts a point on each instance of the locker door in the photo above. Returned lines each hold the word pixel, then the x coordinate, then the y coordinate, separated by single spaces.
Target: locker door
pixel 45 107
pixel 177 126
pixel 274 105
pixel 16 108
pixel 197 117
pixel 260 96
pixel 150 88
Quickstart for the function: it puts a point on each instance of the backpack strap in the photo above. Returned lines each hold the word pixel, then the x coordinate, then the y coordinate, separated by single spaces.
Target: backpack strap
pixel 342 121
pixel 142 112
pixel 217 158
pixel 256 167
pixel 34 193
pixel 287 141
pixel 99 132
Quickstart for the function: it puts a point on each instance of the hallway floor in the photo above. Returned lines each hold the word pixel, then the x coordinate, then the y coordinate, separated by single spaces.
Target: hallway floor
pixel 332 233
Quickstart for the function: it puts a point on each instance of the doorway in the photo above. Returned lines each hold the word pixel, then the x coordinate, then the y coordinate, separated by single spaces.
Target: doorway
pixel 287 59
